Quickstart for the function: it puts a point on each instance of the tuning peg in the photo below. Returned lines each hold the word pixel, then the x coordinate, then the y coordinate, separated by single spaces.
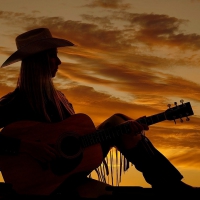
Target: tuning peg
pixel 181 120
pixel 174 119
pixel 187 118
pixel 169 105
pixel 175 103
pixel 182 101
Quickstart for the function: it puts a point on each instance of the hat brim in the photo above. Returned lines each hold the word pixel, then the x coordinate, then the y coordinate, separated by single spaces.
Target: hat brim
pixel 36 47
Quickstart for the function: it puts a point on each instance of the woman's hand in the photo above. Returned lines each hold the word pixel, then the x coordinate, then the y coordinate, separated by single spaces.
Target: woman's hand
pixel 130 140
pixel 38 150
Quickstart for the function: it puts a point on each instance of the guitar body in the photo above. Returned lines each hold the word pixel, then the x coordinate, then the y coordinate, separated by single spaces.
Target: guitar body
pixel 28 176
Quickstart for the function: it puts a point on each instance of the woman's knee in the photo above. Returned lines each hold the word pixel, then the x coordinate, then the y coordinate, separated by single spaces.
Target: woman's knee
pixel 113 120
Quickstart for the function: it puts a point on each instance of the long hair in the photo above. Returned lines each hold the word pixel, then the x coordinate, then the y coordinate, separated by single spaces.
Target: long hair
pixel 35 81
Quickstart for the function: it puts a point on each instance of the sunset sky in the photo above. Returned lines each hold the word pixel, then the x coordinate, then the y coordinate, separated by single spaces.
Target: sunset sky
pixel 131 57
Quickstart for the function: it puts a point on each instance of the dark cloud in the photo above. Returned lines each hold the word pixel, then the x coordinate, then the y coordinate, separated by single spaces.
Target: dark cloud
pixel 111 4
pixel 102 21
pixel 155 29
pixel 195 1
pixel 149 29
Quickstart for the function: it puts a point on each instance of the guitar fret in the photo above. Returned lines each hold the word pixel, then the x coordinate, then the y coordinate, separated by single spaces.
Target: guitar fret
pixel 86 140
pixel 118 133
pixel 83 142
pixel 107 137
pixel 91 138
pixel 111 132
pixel 97 137
pixel 157 118
pixel 126 128
pixel 149 122
pixel 153 119
pixel 102 136
pixel 143 120
pixel 107 134
pixel 114 132
pixel 122 129
pixel 162 116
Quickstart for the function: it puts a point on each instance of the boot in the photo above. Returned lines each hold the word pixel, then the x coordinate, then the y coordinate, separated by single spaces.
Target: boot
pixel 155 167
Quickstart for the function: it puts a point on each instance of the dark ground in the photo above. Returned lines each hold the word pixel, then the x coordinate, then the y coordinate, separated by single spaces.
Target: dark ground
pixel 122 192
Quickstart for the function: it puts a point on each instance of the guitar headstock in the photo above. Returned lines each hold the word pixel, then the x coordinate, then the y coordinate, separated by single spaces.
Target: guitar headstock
pixel 179 111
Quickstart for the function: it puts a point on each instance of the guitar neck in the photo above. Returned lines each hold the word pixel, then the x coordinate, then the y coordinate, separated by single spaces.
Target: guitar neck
pixel 153 119
pixel 183 110
pixel 114 132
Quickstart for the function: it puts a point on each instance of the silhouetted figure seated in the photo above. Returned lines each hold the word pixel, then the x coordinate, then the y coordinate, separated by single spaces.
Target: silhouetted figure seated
pixel 30 150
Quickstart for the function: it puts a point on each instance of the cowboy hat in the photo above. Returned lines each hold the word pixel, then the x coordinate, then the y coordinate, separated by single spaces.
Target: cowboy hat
pixel 34 41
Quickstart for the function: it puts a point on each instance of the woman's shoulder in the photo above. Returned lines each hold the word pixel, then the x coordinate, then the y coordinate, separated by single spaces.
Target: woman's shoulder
pixel 9 97
pixel 60 93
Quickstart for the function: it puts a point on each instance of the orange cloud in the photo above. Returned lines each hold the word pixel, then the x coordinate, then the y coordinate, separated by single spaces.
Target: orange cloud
pixel 5 51
pixel 188 158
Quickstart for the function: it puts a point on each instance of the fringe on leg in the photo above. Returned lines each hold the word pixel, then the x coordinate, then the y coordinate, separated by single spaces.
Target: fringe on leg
pixel 112 167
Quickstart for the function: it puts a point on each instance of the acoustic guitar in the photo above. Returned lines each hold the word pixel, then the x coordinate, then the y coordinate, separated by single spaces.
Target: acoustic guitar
pixel 78 143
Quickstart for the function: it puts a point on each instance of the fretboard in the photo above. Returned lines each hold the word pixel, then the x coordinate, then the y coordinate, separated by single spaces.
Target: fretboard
pixel 153 119
pixel 105 135
pixel 114 132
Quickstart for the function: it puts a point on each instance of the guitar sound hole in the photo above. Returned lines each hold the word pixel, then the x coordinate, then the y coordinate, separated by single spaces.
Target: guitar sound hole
pixel 70 146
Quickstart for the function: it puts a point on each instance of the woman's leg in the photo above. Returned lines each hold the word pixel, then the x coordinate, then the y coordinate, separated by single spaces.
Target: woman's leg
pixel 155 167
